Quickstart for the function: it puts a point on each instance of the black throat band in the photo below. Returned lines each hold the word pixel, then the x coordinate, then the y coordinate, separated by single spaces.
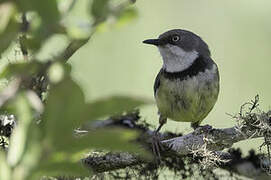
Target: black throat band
pixel 199 65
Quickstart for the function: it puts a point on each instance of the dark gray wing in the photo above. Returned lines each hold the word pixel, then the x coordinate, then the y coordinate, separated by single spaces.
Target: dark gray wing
pixel 157 82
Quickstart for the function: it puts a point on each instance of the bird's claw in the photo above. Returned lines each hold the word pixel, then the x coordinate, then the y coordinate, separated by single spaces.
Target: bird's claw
pixel 203 129
pixel 157 147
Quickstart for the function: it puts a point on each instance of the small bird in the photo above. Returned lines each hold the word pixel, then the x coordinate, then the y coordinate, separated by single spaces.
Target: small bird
pixel 187 86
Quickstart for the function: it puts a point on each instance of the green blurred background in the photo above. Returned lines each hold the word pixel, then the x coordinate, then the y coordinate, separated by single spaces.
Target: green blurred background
pixel 238 33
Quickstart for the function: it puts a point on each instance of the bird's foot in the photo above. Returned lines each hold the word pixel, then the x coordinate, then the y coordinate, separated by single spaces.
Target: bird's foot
pixel 157 147
pixel 203 129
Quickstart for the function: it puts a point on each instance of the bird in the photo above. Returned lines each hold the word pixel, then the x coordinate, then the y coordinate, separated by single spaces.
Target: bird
pixel 187 86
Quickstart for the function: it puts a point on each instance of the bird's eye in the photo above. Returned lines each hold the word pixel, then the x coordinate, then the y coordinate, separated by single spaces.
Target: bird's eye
pixel 175 38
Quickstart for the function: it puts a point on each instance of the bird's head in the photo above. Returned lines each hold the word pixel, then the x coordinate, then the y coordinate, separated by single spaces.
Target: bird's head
pixel 179 49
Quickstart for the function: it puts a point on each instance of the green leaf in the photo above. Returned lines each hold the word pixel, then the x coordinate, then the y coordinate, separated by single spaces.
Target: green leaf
pixel 100 9
pixel 113 139
pixel 60 168
pixel 22 110
pixel 9 27
pixel 64 111
pixel 42 26
pixel 5 171
pixel 56 72
pixel 40 34
pixel 47 10
pixel 25 69
pixel 126 16
pixel 76 31
pixel 113 106
pixel 32 155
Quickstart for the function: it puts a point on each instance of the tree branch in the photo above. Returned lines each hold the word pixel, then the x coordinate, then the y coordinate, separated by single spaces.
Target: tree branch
pixel 216 139
pixel 202 143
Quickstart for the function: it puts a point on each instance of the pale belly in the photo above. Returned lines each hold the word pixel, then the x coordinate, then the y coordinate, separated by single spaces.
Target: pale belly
pixel 188 100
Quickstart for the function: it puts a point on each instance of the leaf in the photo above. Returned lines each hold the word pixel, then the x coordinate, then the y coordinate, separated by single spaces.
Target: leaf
pixel 79 31
pixel 100 9
pixel 42 26
pixel 9 27
pixel 32 155
pixel 113 106
pixel 64 111
pixel 126 16
pixel 22 110
pixel 56 72
pixel 5 170
pixel 25 69
pixel 113 139
pixel 47 10
pixel 65 167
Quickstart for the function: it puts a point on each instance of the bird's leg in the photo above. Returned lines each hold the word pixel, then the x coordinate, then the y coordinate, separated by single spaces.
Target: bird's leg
pixel 156 144
pixel 195 125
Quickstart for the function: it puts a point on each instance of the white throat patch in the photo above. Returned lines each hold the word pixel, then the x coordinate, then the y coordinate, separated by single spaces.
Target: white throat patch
pixel 175 58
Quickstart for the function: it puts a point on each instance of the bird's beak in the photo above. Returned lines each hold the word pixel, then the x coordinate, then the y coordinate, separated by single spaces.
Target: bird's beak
pixel 155 42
